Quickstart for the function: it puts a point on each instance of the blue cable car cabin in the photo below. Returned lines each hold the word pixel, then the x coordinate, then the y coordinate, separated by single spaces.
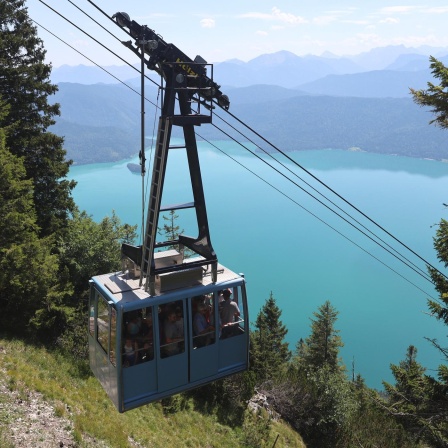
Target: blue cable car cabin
pixel 144 348
pixel 164 323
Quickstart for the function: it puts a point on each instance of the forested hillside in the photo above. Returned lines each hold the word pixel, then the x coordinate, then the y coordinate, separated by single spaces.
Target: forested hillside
pixel 100 123
pixel 49 249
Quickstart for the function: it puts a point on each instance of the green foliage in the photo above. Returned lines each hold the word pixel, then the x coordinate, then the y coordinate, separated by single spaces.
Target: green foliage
pixel 256 428
pixel 439 308
pixel 25 86
pixel 269 351
pixel 30 290
pixel 418 401
pixel 320 404
pixel 321 348
pixel 435 96
pixel 175 403
pixel 410 388
pixel 227 398
pixel 171 231
pixel 371 425
pixel 90 248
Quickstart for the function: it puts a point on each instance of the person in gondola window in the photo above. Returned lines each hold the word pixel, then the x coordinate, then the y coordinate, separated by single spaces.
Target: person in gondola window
pixel 130 352
pixel 202 329
pixel 229 313
pixel 174 334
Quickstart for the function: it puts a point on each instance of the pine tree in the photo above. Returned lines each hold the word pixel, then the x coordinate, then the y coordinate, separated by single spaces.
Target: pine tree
pixel 321 348
pixel 268 347
pixel 408 393
pixel 29 281
pixel 25 86
pixel 171 231
pixel 439 308
pixel 435 96
pixel 418 401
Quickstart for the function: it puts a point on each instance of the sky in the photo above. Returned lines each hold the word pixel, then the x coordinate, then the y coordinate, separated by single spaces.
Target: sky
pixel 241 29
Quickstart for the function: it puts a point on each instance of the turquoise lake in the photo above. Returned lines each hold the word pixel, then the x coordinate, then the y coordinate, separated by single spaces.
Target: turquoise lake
pixel 304 253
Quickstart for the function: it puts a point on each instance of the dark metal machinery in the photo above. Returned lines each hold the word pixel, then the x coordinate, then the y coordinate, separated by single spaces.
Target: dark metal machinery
pixel 188 86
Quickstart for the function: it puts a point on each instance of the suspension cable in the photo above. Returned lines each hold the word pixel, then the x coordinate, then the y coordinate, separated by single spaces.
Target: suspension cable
pixel 334 192
pixel 314 215
pixel 96 40
pixel 322 203
pixel 423 273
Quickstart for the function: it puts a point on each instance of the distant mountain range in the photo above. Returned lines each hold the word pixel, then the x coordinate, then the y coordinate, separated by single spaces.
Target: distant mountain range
pixel 297 102
pixel 288 70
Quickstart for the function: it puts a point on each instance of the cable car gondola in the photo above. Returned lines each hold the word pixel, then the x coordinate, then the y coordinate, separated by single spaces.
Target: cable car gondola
pixel 167 323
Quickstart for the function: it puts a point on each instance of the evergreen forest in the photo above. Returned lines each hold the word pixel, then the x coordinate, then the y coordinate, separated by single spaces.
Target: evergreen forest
pixel 49 249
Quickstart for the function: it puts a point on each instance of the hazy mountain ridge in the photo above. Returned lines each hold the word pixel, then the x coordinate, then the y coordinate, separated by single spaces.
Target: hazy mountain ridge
pixel 289 119
pixel 373 84
pixel 282 68
pixel 372 110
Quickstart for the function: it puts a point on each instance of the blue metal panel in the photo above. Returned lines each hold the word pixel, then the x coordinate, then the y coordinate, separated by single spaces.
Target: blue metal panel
pixel 173 372
pixel 203 363
pixel 139 382
pixel 233 352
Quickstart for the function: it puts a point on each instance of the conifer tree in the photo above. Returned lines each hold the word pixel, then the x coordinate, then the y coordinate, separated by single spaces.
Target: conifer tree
pixel 25 86
pixel 29 281
pixel 268 346
pixel 418 401
pixel 435 96
pixel 321 348
pixel 408 393
pixel 439 308
pixel 171 231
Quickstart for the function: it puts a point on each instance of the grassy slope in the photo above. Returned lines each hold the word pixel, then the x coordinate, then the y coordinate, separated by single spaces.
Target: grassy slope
pixel 77 396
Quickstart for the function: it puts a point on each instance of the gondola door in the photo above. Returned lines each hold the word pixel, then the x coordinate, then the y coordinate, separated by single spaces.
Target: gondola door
pixel 204 355
pixel 172 356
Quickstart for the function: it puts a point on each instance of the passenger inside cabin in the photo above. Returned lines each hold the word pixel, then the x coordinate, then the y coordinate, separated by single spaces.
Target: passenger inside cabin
pixel 229 313
pixel 173 334
pixel 134 326
pixel 130 352
pixel 202 328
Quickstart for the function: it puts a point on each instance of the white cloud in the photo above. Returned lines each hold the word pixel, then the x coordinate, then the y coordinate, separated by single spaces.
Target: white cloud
pixel 275 15
pixel 261 33
pixel 397 9
pixel 324 20
pixel 208 23
pixel 357 22
pixel 437 10
pixel 390 20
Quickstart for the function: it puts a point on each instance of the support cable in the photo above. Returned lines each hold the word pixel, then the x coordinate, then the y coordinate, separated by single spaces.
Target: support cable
pixel 334 192
pixel 423 273
pixel 96 40
pixel 322 203
pixel 315 216
pixel 93 62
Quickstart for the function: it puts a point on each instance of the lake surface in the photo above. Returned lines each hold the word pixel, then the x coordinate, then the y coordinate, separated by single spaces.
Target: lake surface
pixel 304 253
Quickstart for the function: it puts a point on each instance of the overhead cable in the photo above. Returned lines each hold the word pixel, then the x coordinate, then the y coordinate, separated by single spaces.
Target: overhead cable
pixel 423 273
pixel 315 216
pixel 322 203
pixel 334 192
pixel 97 41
